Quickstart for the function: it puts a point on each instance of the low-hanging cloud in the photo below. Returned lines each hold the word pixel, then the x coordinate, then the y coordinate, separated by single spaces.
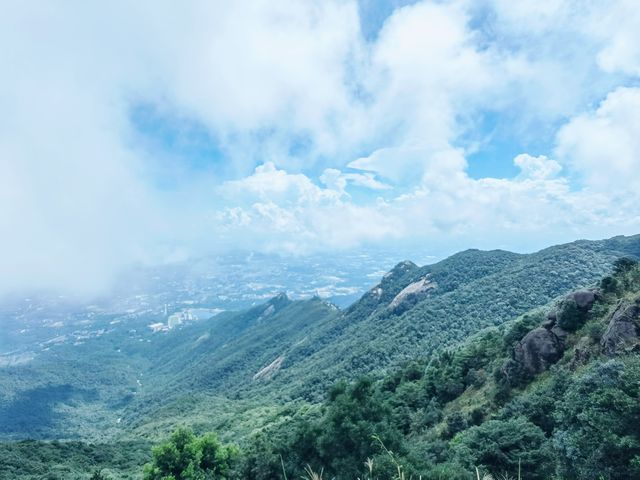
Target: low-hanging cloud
pixel 386 125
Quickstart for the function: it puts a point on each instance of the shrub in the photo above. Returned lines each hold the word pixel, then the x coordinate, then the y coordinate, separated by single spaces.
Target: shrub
pixel 505 446
pixel 187 457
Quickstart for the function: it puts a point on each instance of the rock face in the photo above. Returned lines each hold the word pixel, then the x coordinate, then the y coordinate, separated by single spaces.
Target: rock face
pixel 412 294
pixel 544 346
pixel 572 311
pixel 623 332
pixel 379 297
pixel 399 270
pixel 584 299
pixel 539 349
pixel 268 372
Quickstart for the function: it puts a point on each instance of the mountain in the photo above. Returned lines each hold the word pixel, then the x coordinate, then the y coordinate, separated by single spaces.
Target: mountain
pixel 554 393
pixel 242 372
pixel 410 313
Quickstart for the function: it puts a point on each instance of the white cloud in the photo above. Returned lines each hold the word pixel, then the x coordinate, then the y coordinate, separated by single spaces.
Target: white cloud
pixel 81 198
pixel 337 180
pixel 78 196
pixel 283 212
pixel 603 147
pixel 537 168
pixel 401 165
pixel 538 205
pixel 424 67
pixel 73 210
pixel 604 33
pixel 244 66
pixel 617 26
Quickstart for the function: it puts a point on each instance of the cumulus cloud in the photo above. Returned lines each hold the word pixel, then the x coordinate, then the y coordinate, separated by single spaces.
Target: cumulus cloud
pixel 326 138
pixel 338 180
pixel 537 168
pixel 602 147
pixel 447 204
pixel 401 165
pixel 278 211
pixel 616 25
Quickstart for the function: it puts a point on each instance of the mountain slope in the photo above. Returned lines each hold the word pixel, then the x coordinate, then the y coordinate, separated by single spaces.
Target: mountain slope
pixel 552 394
pixel 259 360
pixel 310 345
pixel 472 290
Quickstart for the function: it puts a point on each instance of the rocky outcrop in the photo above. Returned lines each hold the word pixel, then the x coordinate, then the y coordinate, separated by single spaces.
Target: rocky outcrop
pixel 268 372
pixel 573 309
pixel 399 271
pixel 584 299
pixel 539 349
pixel 623 331
pixel 412 294
pixel 273 306
pixel 386 287
pixel 545 345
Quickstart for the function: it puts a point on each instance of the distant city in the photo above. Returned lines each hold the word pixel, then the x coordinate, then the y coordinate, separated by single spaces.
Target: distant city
pixel 152 300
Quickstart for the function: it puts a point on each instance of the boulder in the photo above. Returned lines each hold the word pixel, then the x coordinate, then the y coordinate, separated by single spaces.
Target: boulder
pixel 551 320
pixel 539 349
pixel 572 311
pixel 551 324
pixel 559 332
pixel 584 299
pixel 623 331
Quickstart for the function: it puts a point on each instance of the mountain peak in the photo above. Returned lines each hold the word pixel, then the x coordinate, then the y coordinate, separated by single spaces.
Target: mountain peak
pixel 400 269
pixel 280 300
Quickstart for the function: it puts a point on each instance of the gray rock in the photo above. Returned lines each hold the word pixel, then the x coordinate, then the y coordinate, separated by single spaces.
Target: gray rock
pixel 560 333
pixel 412 294
pixel 584 299
pixel 539 349
pixel 550 321
pixel 623 331
pixel 572 311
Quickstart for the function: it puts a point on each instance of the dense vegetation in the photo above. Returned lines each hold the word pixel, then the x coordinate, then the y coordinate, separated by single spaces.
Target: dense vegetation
pixel 470 407
pixel 38 460
pixel 187 457
pixel 303 385
pixel 319 345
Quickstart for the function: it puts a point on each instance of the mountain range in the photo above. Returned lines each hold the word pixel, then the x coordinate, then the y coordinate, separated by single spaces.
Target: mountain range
pixel 241 372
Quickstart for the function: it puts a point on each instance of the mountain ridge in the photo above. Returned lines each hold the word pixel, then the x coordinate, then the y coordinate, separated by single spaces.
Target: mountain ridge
pixel 473 284
pixel 212 364
pixel 509 386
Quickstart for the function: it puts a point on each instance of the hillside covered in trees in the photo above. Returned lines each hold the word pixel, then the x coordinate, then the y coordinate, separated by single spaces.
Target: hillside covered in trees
pixel 554 393
pixel 484 360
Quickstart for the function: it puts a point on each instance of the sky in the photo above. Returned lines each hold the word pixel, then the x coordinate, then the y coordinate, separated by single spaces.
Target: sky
pixel 158 131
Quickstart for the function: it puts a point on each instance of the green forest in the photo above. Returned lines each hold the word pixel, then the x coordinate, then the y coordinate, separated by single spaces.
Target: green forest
pixel 479 405
pixel 494 370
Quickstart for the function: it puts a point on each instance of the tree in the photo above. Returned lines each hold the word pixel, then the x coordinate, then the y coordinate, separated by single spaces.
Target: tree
pixel 504 446
pixel 598 419
pixel 354 414
pixel 623 265
pixel 187 457
pixel 609 285
pixel 570 316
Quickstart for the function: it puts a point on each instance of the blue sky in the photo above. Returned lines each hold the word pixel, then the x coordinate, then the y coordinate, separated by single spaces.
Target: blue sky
pixel 153 132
